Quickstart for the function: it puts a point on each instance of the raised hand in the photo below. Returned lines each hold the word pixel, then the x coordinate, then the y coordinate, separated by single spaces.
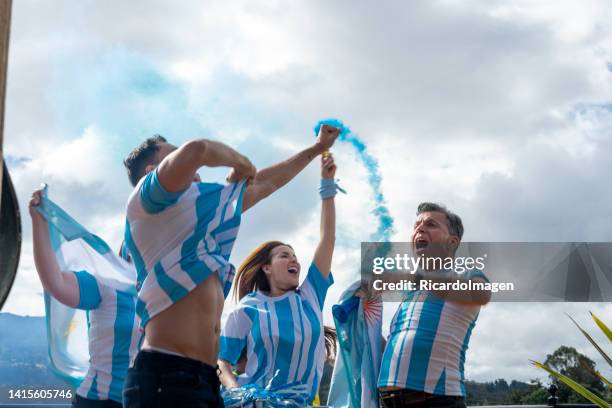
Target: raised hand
pixel 35 201
pixel 327 137
pixel 243 170
pixel 328 166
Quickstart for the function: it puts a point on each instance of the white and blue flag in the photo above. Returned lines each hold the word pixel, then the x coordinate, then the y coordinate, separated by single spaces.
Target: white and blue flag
pixel 90 346
pixel 358 326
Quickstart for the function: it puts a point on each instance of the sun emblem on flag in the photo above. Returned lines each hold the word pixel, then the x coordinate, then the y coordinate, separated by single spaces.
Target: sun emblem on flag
pixel 372 308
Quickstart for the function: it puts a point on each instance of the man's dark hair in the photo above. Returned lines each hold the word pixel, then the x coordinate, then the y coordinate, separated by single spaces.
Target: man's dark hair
pixel 455 226
pixel 141 157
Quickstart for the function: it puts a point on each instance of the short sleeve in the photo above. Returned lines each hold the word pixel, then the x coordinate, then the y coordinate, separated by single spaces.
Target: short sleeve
pixel 89 291
pixel 475 273
pixel 154 197
pixel 234 336
pixel 315 286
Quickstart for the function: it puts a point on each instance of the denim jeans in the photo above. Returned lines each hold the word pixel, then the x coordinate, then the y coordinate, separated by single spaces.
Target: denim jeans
pixel 160 380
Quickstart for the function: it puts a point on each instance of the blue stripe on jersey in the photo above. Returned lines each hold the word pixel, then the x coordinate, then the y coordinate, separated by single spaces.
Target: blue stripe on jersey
pixel 262 355
pixel 141 309
pixel 319 283
pixel 386 361
pixel 124 323
pixel 238 211
pixel 231 348
pixel 464 348
pixel 422 342
pixel 89 293
pixel 124 253
pixel 398 331
pixel 218 230
pixel 226 205
pixel 403 340
pixel 286 341
pixel 154 197
pixel 93 390
pixel 172 288
pixel 301 313
pixel 315 333
pixel 205 212
pixel 141 269
pixel 441 385
pixel 273 355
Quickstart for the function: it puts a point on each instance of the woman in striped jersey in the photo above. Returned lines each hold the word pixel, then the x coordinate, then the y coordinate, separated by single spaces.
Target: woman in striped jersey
pixel 278 321
pixel 111 316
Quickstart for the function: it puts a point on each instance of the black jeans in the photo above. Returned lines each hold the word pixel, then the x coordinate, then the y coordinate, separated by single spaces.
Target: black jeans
pixel 410 398
pixel 80 402
pixel 160 380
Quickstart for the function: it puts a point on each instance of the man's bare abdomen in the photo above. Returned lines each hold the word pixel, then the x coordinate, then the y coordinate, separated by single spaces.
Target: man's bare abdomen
pixel 191 326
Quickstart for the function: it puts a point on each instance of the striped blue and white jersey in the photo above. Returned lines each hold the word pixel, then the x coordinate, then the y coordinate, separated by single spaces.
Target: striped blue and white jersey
pixel 282 333
pixel 427 343
pixel 114 337
pixel 177 240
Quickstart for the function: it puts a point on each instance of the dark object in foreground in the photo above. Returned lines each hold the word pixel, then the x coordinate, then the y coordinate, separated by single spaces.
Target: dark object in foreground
pixel 10 236
pixel 10 224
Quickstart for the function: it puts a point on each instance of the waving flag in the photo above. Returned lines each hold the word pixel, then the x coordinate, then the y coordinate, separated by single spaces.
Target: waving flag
pixel 359 327
pixel 77 249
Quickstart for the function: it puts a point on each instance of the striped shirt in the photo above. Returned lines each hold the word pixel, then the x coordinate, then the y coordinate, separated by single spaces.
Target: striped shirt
pixel 177 240
pixel 114 337
pixel 427 342
pixel 282 333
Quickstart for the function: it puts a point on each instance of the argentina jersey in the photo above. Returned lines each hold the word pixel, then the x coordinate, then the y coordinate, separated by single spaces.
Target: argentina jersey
pixel 177 240
pixel 114 337
pixel 427 343
pixel 282 337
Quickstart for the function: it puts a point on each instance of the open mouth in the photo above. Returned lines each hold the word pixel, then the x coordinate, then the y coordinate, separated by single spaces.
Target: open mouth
pixel 421 243
pixel 293 270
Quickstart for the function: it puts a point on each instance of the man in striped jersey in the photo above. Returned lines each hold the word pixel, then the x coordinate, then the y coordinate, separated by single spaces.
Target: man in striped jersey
pixel 180 232
pixel 112 324
pixel 424 357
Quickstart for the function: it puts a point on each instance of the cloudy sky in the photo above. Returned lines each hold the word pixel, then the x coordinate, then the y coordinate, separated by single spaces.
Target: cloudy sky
pixel 499 109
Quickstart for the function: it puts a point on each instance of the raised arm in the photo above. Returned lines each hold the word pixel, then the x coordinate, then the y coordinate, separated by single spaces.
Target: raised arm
pixel 276 176
pixel 325 249
pixel 178 169
pixel 61 285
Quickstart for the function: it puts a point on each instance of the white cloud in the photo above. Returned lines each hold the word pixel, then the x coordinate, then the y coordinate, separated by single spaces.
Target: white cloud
pixel 508 335
pixel 498 109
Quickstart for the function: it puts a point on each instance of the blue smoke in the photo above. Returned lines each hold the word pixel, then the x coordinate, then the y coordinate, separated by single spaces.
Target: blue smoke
pixel 385 221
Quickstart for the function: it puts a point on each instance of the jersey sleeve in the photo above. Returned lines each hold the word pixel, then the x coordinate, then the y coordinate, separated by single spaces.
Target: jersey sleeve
pixel 90 295
pixel 154 197
pixel 234 336
pixel 314 288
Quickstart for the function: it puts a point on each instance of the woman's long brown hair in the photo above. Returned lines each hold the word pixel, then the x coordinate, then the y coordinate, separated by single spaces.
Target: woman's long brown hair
pixel 251 277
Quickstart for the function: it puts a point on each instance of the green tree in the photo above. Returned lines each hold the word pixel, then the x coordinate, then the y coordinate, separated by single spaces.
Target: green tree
pixel 528 393
pixel 568 361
